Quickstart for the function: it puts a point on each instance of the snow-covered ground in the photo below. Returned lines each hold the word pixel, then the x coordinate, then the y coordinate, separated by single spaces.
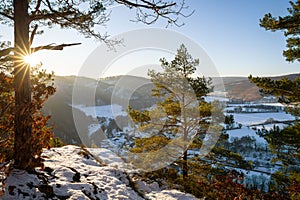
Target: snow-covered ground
pixel 249 123
pixel 108 111
pixel 258 152
pixel 271 126
pixel 258 118
pixel 273 104
pixel 216 98
pixel 245 131
pixel 92 128
pixel 250 120
pixel 73 173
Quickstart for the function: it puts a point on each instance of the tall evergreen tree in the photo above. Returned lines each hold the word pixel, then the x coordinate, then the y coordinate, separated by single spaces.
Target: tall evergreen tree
pixel 181 121
pixel 285 143
pixel 83 15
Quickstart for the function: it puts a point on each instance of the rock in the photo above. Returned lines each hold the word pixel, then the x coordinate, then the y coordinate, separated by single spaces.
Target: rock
pixel 46 189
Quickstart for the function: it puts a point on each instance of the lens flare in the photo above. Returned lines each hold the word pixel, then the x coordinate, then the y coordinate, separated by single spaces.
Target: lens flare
pixel 32 60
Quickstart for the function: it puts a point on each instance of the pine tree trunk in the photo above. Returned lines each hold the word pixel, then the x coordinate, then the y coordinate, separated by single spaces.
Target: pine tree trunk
pixel 23 117
pixel 185 135
pixel 184 157
pixel 184 166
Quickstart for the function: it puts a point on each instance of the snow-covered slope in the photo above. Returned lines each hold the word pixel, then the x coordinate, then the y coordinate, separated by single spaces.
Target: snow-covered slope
pixel 72 172
pixel 107 111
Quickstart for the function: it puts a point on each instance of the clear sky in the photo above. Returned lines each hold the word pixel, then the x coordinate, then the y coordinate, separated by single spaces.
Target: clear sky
pixel 228 30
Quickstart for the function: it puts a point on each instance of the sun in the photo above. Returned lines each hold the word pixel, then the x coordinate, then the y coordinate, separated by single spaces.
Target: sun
pixel 32 60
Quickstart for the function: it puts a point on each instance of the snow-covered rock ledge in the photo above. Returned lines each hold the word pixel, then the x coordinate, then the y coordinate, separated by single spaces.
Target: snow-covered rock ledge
pixel 72 173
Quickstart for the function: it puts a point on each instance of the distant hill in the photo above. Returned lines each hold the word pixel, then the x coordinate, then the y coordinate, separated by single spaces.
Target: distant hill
pixel 241 88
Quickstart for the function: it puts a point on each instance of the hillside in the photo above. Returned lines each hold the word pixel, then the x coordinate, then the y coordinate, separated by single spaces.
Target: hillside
pixel 105 91
pixel 241 88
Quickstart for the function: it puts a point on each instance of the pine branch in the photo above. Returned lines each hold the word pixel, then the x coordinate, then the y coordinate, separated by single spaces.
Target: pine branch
pixel 52 47
pixel 37 8
pixel 51 15
pixel 162 9
pixel 7 16
pixel 147 4
pixel 5 108
pixel 5 59
pixel 6 52
pixel 33 34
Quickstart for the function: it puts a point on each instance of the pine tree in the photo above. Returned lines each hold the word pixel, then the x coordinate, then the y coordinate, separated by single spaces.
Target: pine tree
pixel 42 88
pixel 182 121
pixel 179 91
pixel 28 16
pixel 229 121
pixel 290 24
pixel 284 143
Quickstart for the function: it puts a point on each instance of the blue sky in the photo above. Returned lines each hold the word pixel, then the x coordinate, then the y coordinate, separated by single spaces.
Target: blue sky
pixel 227 30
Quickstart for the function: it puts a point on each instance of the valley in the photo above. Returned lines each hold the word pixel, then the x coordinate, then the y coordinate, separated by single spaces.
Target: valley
pixel 108 126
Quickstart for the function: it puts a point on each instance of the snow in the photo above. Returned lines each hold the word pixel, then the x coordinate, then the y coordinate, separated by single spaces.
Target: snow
pixel 251 119
pixel 258 118
pixel 240 104
pixel 255 104
pixel 170 195
pixel 216 98
pixel 108 157
pixel 274 104
pixel 72 172
pixel 112 177
pixel 92 128
pixel 108 111
pixel 256 178
pixel 245 131
pixel 271 126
